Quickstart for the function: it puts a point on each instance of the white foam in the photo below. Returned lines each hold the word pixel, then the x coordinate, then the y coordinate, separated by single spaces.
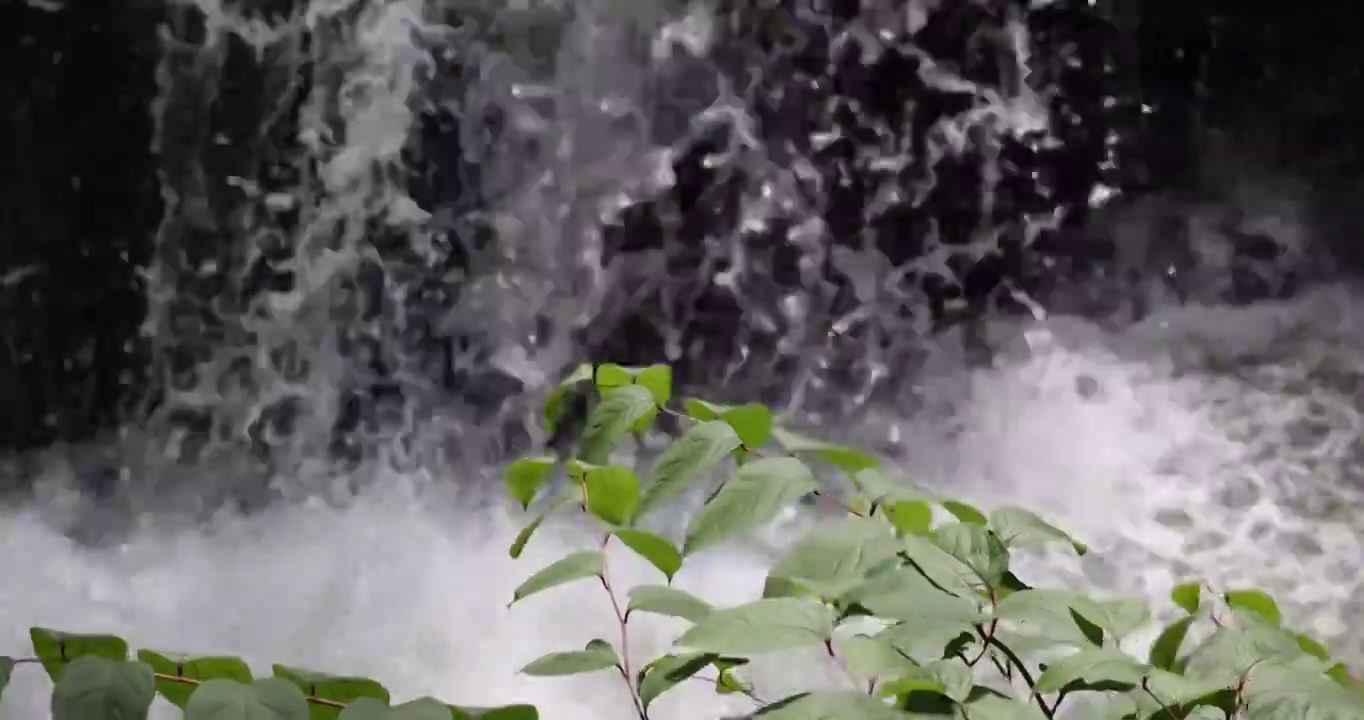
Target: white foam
pixel 405 591
pixel 1215 443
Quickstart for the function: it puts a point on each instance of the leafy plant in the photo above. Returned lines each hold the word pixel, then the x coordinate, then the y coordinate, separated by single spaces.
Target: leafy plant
pixel 957 633
pixel 911 597
pixel 95 679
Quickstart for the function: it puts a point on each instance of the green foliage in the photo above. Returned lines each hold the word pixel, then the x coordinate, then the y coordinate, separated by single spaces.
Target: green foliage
pixel 933 575
pixel 667 601
pixel 92 687
pixel 913 597
pixel 589 563
pixel 658 550
pixel 598 655
pixel 266 699
pixel 192 668
pixel 338 690
pixel 96 680
pixel 758 491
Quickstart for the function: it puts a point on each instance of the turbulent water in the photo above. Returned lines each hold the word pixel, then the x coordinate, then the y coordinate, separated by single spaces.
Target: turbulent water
pixel 1211 441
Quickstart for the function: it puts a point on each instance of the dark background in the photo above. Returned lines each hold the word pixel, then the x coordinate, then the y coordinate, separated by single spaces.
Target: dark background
pixel 80 202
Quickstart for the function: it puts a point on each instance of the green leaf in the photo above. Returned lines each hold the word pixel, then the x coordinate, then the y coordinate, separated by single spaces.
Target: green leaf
pixel 1167 689
pixel 268 699
pixel 977 547
pixel 1122 616
pixel 658 379
pixel 704 410
pixel 754 496
pixel 988 706
pixel 764 626
pixel 661 553
pixel 872 657
pixel 554 401
pixel 612 493
pixel 672 602
pixel 1285 673
pixel 939 566
pixel 1312 647
pixel 1318 702
pixel 1165 650
pixel 337 688
pixel 849 460
pixel 426 708
pixel 910 517
pixel 1255 601
pixel 882 489
pixel 697 451
pixel 1023 528
pixel 1230 651
pixel 506 712
pixel 1342 676
pixel 598 655
pixel 526 476
pixel 518 545
pixel 194 668
pixel 645 422
pixel 666 673
pixel 966 513
pixel 751 422
pixel 1188 596
pixel 577 469
pixel 619 410
pixel 727 682
pixel 949 678
pixel 609 376
pixel 55 648
pixel 1062 616
pixel 6 668
pixel 1281 689
pixel 579 565
pixel 833 559
pixel 1092 669
pixel 369 709
pixel 98 688
pixel 830 705
pixel 928 617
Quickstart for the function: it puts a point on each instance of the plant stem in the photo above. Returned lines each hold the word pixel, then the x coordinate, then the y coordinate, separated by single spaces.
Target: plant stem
pixel 1022 670
pixel 987 634
pixel 623 623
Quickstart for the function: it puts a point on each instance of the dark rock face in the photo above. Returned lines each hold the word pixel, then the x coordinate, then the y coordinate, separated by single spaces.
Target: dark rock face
pixel 872 236
pixel 853 132
pixel 79 204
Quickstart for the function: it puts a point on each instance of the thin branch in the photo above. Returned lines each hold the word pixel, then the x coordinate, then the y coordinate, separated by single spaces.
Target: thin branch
pixel 623 623
pixel 1022 670
pixel 1159 702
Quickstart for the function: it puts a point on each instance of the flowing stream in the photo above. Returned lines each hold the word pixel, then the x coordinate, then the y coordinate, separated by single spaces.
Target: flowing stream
pixel 1204 441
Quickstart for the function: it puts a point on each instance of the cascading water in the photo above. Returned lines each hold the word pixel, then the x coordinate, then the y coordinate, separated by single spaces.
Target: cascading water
pixel 302 285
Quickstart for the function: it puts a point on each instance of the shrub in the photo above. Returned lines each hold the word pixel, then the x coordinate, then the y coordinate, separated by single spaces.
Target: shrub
pixel 911 596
